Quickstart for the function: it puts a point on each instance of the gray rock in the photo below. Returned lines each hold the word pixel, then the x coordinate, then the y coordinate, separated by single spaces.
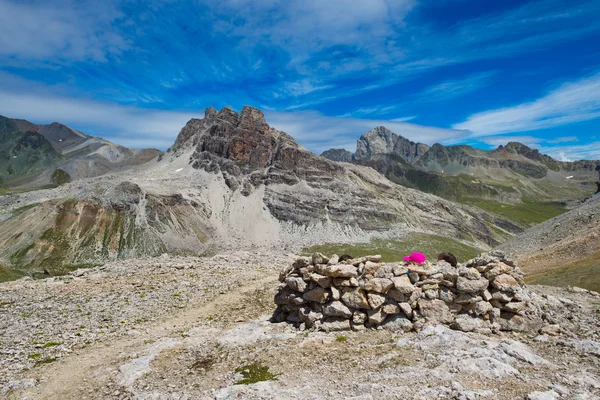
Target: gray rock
pixel 414 277
pixel 359 317
pixel 403 284
pixel 469 273
pixel 515 307
pixel 398 269
pixel 317 295
pixel 436 311
pixel 335 324
pixel 355 298
pixel 447 295
pixel 497 270
pixel 506 283
pixel 337 309
pixel 406 309
pixel 376 317
pixel 379 285
pixel 296 284
pixel 549 395
pixel 396 295
pixel 338 270
pixel 466 323
pixel 342 282
pixel 390 308
pixel 321 280
pixel 482 307
pixel 319 258
pixel 335 293
pixel 375 300
pixel 471 286
pixel 431 294
pixel 398 323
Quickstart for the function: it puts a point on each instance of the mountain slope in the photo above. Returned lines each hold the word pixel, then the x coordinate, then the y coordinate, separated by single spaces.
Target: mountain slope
pixel 564 250
pixel 25 155
pixel 59 146
pixel 229 181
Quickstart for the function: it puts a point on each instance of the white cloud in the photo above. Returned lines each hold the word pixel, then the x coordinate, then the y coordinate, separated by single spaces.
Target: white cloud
pixel 125 125
pixel 572 102
pixel 457 87
pixel 319 133
pixel 590 151
pixel 502 140
pixel 59 30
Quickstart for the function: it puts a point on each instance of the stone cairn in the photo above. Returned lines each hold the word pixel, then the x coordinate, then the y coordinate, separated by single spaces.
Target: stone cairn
pixel 487 294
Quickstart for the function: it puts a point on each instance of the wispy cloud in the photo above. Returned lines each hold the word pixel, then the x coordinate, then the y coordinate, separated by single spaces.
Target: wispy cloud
pixel 319 133
pixel 457 87
pixel 572 102
pixel 65 30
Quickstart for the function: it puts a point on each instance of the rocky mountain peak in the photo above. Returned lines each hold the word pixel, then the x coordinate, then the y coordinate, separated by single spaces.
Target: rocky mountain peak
pixel 253 119
pixel 381 141
pixel 342 155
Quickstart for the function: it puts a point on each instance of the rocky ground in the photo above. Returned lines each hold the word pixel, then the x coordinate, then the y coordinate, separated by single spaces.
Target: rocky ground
pixel 188 328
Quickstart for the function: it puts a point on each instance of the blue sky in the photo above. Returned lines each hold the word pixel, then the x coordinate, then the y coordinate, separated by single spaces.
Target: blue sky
pixel 449 71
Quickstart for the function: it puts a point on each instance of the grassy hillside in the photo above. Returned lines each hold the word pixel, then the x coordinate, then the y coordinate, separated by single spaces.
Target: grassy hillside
pixel 583 273
pixel 395 249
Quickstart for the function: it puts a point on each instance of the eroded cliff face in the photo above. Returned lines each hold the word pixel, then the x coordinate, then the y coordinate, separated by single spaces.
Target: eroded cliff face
pixel 58 235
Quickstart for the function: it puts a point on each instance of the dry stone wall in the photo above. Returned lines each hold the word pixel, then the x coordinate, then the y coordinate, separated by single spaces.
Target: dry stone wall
pixel 486 294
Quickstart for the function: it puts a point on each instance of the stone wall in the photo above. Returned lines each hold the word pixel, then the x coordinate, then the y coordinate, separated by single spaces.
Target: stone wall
pixel 486 294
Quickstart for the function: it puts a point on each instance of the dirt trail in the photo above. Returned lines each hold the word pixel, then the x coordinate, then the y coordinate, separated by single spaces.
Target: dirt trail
pixel 83 373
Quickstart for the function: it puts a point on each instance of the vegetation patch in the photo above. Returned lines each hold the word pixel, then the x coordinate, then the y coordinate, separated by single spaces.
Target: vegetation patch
pixel 253 373
pixel 60 177
pixel 45 361
pixel 341 338
pixel 526 213
pixel 22 209
pixel 8 274
pixel 392 250
pixel 583 274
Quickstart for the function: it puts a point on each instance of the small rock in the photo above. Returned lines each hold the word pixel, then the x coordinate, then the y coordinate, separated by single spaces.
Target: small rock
pixel 376 317
pixel 552 330
pixel 506 283
pixel 355 298
pixel 319 258
pixel 338 270
pixel 296 284
pixel 403 284
pixel 375 300
pixel 317 295
pixel 337 309
pixel 379 285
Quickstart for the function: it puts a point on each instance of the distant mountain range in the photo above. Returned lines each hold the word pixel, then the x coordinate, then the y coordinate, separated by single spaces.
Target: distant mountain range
pixel 510 174
pixel 31 153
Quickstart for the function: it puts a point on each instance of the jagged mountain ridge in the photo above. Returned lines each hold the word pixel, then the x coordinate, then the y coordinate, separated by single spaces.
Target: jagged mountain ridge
pixel 229 181
pixel 509 173
pixel 78 154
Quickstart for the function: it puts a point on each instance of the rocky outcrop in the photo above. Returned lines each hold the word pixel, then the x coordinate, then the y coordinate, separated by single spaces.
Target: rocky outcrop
pixel 381 141
pixel 342 155
pixel 485 295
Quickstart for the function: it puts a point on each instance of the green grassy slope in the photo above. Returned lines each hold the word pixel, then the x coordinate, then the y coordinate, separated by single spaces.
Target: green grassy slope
pixel 395 249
